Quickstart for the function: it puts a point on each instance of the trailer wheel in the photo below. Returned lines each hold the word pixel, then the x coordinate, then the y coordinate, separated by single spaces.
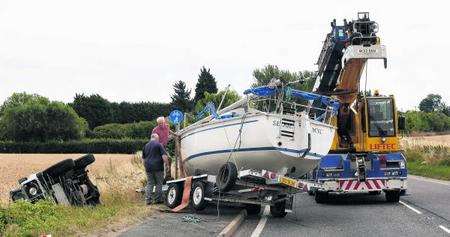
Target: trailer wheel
pixel 279 209
pixel 198 196
pixel 253 209
pixel 392 196
pixel 59 168
pixel 226 177
pixel 173 195
pixel 321 197
pixel 84 161
pixel 310 191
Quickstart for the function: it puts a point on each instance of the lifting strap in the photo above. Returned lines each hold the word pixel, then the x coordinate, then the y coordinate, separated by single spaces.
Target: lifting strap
pixel 186 195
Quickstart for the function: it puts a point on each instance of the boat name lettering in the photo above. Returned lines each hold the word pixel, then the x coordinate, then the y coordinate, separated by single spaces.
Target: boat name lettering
pixel 277 123
pixel 317 130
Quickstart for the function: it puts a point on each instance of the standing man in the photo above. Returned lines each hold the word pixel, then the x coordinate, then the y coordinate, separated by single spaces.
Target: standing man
pixel 163 132
pixel 154 157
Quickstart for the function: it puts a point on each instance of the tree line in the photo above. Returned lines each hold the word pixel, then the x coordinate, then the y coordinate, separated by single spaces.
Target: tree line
pixel 31 117
pixel 433 116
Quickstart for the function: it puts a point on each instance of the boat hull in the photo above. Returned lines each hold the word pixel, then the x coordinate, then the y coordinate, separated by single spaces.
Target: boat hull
pixel 280 143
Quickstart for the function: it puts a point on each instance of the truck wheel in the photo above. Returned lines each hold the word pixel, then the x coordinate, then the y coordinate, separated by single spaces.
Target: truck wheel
pixel 321 197
pixel 226 177
pixel 392 196
pixel 84 161
pixel 198 196
pixel 59 168
pixel 17 195
pixel 279 209
pixel 173 195
pixel 253 209
pixel 21 180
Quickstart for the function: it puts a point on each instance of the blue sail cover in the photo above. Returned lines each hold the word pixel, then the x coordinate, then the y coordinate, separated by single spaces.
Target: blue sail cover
pixel 261 91
pixel 269 91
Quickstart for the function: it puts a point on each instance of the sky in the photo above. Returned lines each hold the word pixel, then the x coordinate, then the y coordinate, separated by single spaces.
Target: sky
pixel 135 50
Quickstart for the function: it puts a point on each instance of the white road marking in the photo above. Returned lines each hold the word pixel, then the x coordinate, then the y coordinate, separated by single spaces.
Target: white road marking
pixel 436 181
pixel 262 222
pixel 445 229
pixel 410 207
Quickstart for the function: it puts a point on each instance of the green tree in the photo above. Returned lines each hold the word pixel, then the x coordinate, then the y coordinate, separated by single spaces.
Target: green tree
pixel 17 99
pixel 433 102
pixel 415 121
pixel 181 98
pixel 264 75
pixel 231 97
pixel 206 83
pixel 94 108
pixel 41 120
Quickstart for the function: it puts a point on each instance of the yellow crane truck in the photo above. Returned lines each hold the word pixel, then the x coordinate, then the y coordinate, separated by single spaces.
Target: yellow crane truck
pixel 365 156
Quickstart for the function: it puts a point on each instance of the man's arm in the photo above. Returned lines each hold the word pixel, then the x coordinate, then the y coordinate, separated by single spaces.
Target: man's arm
pixel 143 153
pixel 163 154
pixel 165 159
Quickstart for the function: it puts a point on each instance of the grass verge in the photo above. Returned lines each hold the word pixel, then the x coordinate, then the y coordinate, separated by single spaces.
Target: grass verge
pixel 429 161
pixel 121 205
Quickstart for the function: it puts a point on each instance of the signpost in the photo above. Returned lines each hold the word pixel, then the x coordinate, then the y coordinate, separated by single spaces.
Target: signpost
pixel 176 117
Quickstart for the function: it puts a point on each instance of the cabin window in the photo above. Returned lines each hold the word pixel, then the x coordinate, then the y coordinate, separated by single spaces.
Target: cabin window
pixel 381 117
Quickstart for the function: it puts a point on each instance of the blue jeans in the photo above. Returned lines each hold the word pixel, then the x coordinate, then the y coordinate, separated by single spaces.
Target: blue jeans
pixel 154 182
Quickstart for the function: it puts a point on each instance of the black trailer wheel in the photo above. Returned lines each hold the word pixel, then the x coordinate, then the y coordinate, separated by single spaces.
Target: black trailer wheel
pixel 173 195
pixel 310 191
pixel 321 197
pixel 279 209
pixel 198 194
pixel 226 177
pixel 59 168
pixel 392 196
pixel 84 161
pixel 253 209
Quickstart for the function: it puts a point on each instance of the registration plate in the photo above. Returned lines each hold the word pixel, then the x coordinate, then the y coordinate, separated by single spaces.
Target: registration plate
pixel 288 181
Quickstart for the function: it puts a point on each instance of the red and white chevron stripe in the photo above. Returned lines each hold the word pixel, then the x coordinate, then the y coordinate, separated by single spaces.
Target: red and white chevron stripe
pixel 368 185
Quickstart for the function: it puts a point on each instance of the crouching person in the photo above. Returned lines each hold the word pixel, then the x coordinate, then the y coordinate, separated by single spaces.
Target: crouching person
pixel 154 157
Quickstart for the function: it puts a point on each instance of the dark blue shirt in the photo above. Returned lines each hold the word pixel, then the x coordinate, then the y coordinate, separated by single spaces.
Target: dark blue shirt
pixel 152 155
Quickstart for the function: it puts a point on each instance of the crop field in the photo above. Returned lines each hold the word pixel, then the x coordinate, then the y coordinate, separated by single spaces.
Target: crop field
pixel 438 140
pixel 15 166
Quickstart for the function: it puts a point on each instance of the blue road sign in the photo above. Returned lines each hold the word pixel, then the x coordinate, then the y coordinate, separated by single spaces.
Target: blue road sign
pixel 176 117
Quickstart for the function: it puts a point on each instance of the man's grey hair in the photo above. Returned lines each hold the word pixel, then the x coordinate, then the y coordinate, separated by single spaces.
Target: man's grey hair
pixel 154 137
pixel 160 120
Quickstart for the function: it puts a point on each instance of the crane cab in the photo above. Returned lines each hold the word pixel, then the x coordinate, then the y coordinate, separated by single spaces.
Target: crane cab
pixel 370 124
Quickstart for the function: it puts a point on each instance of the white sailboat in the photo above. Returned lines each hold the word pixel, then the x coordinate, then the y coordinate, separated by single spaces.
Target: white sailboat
pixel 269 129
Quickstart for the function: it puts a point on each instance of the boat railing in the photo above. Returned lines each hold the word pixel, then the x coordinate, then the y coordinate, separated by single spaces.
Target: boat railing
pixel 271 105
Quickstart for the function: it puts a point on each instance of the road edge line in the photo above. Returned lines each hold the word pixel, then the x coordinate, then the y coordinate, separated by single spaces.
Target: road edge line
pixel 431 180
pixel 231 228
pixel 444 229
pixel 262 222
pixel 410 207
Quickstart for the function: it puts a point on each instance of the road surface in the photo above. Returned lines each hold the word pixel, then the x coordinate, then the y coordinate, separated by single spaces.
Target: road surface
pixel 424 211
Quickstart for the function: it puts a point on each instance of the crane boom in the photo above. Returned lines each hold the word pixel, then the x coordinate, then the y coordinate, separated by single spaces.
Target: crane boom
pixel 344 55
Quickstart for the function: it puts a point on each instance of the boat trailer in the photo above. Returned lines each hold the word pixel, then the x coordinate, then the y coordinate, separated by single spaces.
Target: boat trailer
pixel 248 188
